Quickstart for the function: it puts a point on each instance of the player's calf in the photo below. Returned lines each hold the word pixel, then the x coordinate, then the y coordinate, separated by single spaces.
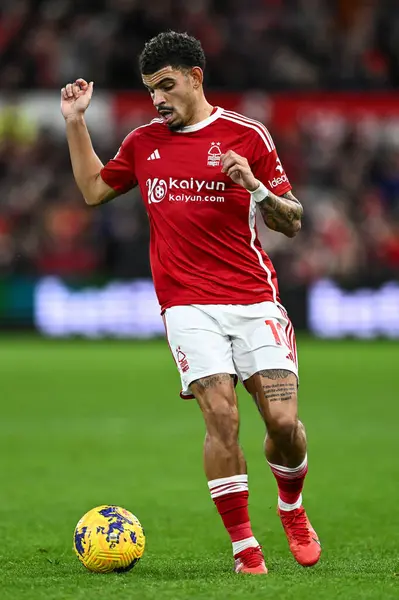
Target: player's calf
pixel 275 392
pixel 225 467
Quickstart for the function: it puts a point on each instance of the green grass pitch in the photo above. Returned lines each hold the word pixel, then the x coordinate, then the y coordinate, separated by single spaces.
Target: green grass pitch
pixel 89 423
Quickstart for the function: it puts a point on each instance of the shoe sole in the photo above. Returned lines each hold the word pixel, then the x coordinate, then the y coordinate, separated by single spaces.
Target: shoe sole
pixel 250 571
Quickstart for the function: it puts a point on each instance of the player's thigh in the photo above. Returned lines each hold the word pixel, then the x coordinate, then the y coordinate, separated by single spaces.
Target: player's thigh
pixel 216 397
pixel 198 345
pixel 275 394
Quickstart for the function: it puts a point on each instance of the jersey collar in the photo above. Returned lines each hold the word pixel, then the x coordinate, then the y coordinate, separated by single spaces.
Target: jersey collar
pixel 215 115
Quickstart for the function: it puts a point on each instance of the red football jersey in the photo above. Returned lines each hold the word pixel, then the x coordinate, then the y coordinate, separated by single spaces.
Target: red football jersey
pixel 204 245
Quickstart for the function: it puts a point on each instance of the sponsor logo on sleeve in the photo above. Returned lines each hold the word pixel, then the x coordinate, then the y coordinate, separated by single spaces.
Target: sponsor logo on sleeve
pixel 278 181
pixel 279 166
pixel 281 179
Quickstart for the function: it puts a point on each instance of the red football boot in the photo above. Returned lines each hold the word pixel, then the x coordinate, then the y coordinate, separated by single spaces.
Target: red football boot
pixel 250 560
pixel 302 538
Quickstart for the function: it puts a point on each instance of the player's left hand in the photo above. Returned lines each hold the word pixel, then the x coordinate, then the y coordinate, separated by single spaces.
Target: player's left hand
pixel 237 167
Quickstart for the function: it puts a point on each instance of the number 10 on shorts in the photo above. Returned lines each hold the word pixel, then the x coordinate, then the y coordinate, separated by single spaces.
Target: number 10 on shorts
pixel 283 337
pixel 277 331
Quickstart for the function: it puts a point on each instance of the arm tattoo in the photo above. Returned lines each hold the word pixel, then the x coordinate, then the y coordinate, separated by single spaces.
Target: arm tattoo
pixel 279 391
pixel 213 380
pixel 282 213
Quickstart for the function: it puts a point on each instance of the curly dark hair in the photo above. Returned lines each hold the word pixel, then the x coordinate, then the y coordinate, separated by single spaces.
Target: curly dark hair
pixel 171 48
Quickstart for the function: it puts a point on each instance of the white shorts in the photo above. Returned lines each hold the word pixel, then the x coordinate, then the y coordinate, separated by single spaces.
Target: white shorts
pixel 236 339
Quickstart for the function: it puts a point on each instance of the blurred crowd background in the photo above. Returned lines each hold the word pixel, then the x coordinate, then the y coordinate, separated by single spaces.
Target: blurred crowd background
pixel 346 173
pixel 271 44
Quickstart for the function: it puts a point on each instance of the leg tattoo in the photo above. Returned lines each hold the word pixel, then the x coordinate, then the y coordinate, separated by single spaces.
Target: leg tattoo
pixel 213 380
pixel 279 391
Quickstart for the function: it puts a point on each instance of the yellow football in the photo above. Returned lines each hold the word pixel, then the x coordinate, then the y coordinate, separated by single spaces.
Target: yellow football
pixel 109 538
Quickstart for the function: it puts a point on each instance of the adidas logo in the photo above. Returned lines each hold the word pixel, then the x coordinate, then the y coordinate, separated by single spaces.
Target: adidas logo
pixel 154 155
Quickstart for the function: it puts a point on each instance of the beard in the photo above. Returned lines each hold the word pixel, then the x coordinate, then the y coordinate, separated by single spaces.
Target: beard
pixel 177 123
pixel 176 126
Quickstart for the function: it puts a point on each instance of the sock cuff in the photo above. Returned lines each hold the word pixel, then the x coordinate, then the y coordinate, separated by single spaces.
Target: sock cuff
pixel 286 506
pixel 228 485
pixel 290 472
pixel 240 545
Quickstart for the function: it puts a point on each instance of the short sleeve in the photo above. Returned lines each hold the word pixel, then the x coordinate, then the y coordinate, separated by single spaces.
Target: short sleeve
pixel 119 173
pixel 269 170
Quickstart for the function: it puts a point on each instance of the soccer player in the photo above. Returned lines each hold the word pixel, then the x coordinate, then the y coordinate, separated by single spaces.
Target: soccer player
pixel 202 171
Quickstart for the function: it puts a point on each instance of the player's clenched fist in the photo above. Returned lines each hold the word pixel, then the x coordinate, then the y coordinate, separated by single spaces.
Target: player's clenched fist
pixel 75 98
pixel 237 167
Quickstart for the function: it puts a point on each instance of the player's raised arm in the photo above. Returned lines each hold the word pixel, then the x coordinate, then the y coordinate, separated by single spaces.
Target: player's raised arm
pixel 75 99
pixel 280 213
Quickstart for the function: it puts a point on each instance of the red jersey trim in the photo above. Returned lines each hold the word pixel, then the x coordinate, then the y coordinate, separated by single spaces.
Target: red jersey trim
pixel 251 124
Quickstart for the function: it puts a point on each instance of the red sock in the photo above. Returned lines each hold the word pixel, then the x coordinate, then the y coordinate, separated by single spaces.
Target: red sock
pixel 290 482
pixel 230 495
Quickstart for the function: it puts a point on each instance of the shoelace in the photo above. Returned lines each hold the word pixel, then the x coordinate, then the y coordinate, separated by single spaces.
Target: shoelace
pixel 252 557
pixel 296 523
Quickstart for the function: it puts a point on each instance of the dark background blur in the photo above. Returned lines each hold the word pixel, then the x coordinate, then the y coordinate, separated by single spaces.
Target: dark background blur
pixel 322 75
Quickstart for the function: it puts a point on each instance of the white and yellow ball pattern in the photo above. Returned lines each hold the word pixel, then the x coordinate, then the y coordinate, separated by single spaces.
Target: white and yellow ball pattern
pixel 109 538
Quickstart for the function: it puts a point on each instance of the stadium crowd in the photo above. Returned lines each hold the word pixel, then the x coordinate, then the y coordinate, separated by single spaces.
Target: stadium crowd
pixel 346 175
pixel 272 44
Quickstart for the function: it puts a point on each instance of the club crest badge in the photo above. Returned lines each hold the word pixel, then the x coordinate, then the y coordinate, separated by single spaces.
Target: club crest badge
pixel 214 155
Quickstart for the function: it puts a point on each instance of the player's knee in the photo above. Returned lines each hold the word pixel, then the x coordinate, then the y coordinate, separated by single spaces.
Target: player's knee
pixel 282 425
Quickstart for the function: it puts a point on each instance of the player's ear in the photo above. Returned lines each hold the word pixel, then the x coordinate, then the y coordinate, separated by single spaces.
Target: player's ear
pixel 197 76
